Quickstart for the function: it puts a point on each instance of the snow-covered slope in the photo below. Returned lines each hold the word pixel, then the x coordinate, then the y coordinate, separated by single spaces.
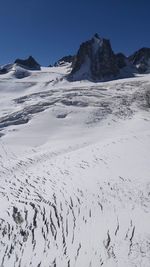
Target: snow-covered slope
pixel 75 171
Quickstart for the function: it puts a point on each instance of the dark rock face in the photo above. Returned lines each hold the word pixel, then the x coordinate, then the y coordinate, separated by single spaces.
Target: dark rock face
pixel 95 60
pixel 63 60
pixel 141 59
pixel 29 63
pixel 6 68
pixel 3 70
pixel 121 60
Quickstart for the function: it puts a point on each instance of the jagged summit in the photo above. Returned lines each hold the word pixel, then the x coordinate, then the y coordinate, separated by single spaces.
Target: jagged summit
pixel 95 60
pixel 97 39
pixel 96 35
pixel 29 63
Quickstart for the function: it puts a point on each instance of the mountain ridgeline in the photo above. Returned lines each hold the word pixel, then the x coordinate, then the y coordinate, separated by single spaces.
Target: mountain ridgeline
pixel 29 63
pixel 94 61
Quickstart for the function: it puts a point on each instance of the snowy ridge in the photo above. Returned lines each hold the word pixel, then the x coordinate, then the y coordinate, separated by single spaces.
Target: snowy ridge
pixel 75 184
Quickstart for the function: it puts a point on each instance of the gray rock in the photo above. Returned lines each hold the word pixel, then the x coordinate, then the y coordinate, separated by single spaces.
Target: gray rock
pixel 63 60
pixel 141 59
pixel 121 60
pixel 3 70
pixel 95 60
pixel 6 68
pixel 29 63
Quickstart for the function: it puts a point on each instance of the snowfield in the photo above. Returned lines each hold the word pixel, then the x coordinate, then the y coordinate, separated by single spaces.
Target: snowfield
pixel 74 171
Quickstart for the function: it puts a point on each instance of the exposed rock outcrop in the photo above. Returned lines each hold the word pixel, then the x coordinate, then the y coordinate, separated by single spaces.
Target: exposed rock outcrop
pixel 64 60
pixel 95 60
pixel 122 60
pixel 141 59
pixel 29 63
pixel 6 68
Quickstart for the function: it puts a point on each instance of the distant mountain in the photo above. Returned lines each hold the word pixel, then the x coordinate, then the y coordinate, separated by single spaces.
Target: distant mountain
pixel 95 60
pixel 141 59
pixel 29 63
pixel 64 60
pixel 15 70
pixel 6 68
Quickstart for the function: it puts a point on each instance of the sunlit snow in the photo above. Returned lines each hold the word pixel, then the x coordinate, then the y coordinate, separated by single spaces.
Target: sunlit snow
pixel 74 170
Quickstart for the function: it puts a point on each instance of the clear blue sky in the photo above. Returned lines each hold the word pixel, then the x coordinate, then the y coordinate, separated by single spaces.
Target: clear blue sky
pixel 50 29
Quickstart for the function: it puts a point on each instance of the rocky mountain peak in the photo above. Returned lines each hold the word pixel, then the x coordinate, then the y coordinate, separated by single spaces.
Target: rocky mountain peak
pixel 97 39
pixel 141 59
pixel 29 63
pixel 95 60
pixel 96 35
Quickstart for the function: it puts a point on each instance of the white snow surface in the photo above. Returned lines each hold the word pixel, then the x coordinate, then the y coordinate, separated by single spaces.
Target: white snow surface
pixel 74 171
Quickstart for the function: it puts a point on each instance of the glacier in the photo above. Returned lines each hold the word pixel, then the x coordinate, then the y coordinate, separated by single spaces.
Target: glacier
pixel 74 171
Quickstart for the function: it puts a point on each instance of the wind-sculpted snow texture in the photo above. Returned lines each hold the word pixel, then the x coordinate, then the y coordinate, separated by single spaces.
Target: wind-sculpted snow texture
pixel 75 193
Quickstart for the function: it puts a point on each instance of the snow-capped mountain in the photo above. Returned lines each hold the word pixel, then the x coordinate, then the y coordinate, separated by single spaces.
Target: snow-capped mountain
pixel 74 171
pixel 29 63
pixel 95 60
pixel 20 68
pixel 14 71
pixel 141 59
